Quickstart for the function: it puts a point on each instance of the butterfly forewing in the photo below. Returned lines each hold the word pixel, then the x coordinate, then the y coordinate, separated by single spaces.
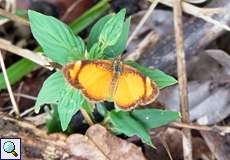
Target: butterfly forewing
pixel 94 79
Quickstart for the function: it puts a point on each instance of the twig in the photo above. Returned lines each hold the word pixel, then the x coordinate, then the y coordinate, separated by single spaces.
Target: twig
pixel 5 109
pixel 165 145
pixel 182 78
pixel 36 58
pixel 195 1
pixel 12 111
pixel 10 5
pixel 18 98
pixel 39 119
pixel 15 106
pixel 203 13
pixel 14 17
pixel 22 96
pixel 70 9
pixel 143 20
pixel 222 130
pixel 27 111
pixel 149 40
pixel 3 21
pixel 86 116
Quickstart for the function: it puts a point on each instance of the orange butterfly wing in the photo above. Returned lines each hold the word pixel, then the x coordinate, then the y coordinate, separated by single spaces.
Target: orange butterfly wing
pixel 151 91
pixel 134 89
pixel 93 78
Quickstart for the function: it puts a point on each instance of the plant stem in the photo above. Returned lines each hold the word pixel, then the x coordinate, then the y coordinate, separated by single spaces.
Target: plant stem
pixel 143 20
pixel 182 78
pixel 34 57
pixel 14 17
pixel 86 116
pixel 15 106
pixel 222 130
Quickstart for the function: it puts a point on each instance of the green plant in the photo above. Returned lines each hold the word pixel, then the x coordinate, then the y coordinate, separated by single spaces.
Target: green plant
pixel 24 66
pixel 107 40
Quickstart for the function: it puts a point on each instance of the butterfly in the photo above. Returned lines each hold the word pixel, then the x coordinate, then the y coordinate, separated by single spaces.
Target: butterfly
pixel 107 80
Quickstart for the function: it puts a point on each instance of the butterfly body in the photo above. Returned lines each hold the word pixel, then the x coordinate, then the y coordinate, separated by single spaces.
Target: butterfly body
pixel 117 69
pixel 102 80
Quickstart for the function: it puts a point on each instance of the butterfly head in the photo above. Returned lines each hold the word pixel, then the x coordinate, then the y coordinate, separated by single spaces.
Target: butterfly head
pixel 117 66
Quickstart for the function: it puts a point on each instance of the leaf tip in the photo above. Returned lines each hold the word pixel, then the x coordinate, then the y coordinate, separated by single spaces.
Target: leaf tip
pixel 179 115
pixel 36 110
pixel 122 12
pixel 64 126
pixel 149 142
pixel 154 147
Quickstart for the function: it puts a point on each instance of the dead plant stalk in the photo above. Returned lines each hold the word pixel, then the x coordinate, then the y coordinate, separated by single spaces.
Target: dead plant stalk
pixel 35 57
pixel 12 98
pixel 143 20
pixel 86 116
pixel 203 13
pixel 222 130
pixel 181 70
pixel 14 17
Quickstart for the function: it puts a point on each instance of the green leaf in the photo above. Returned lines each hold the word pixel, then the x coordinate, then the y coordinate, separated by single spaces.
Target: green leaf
pixel 96 52
pixel 162 79
pixel 112 29
pixel 153 118
pixel 120 46
pixel 21 12
pixel 96 30
pixel 70 102
pixel 51 90
pixel 57 40
pixel 101 108
pixel 89 16
pixel 88 107
pixel 129 126
pixel 16 71
pixel 53 123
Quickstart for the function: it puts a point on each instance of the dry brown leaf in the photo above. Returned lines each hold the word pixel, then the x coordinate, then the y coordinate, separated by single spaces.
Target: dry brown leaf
pixel 221 57
pixel 81 146
pixel 209 79
pixel 208 101
pixel 100 144
pixel 173 139
pixel 218 144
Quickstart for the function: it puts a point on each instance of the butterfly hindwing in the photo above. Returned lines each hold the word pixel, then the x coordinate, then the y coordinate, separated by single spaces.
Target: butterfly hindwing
pixel 151 91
